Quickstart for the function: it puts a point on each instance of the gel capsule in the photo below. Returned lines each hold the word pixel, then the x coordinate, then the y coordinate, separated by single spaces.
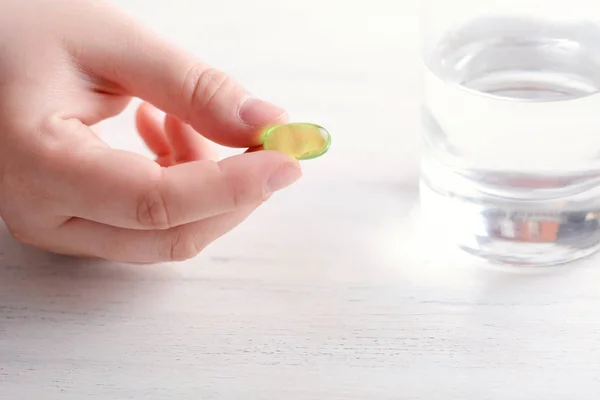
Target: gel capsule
pixel 299 140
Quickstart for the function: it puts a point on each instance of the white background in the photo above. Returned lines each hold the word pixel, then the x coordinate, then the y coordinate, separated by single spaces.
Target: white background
pixel 329 291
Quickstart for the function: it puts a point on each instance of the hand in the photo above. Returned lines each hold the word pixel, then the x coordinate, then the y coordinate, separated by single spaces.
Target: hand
pixel 66 65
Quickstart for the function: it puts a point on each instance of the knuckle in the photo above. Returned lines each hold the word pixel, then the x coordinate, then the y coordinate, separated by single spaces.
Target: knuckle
pixel 202 85
pixel 59 133
pixel 182 246
pixel 58 143
pixel 49 145
pixel 152 210
pixel 239 193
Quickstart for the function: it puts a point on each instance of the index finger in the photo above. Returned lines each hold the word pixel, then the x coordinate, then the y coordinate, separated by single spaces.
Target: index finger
pixel 146 66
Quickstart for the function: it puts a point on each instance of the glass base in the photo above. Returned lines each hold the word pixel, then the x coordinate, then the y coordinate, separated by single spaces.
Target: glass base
pixel 512 232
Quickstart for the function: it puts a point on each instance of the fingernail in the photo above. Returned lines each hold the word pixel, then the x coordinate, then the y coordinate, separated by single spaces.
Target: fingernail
pixel 259 113
pixel 283 177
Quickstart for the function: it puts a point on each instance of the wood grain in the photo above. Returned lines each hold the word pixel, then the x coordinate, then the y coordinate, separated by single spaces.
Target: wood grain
pixel 330 290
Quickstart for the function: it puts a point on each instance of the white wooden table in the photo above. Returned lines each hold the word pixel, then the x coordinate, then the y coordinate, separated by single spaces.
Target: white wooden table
pixel 329 291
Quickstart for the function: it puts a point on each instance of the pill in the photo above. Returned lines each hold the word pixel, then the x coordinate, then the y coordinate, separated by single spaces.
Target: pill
pixel 300 140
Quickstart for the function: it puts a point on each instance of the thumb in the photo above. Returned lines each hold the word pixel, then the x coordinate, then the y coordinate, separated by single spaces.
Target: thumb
pixel 92 184
pixel 148 67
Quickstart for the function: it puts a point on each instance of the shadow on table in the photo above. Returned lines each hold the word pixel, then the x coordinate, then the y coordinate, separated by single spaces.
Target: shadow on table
pixel 32 278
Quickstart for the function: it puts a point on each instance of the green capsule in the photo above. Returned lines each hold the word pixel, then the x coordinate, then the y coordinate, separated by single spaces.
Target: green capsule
pixel 300 140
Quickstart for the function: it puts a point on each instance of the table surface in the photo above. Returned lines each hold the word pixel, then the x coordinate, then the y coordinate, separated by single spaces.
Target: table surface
pixel 330 290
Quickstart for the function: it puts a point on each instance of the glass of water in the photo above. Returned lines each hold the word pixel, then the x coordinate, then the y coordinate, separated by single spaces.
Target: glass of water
pixel 511 127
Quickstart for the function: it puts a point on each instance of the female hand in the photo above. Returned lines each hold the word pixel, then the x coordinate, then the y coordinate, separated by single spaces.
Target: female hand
pixel 67 65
